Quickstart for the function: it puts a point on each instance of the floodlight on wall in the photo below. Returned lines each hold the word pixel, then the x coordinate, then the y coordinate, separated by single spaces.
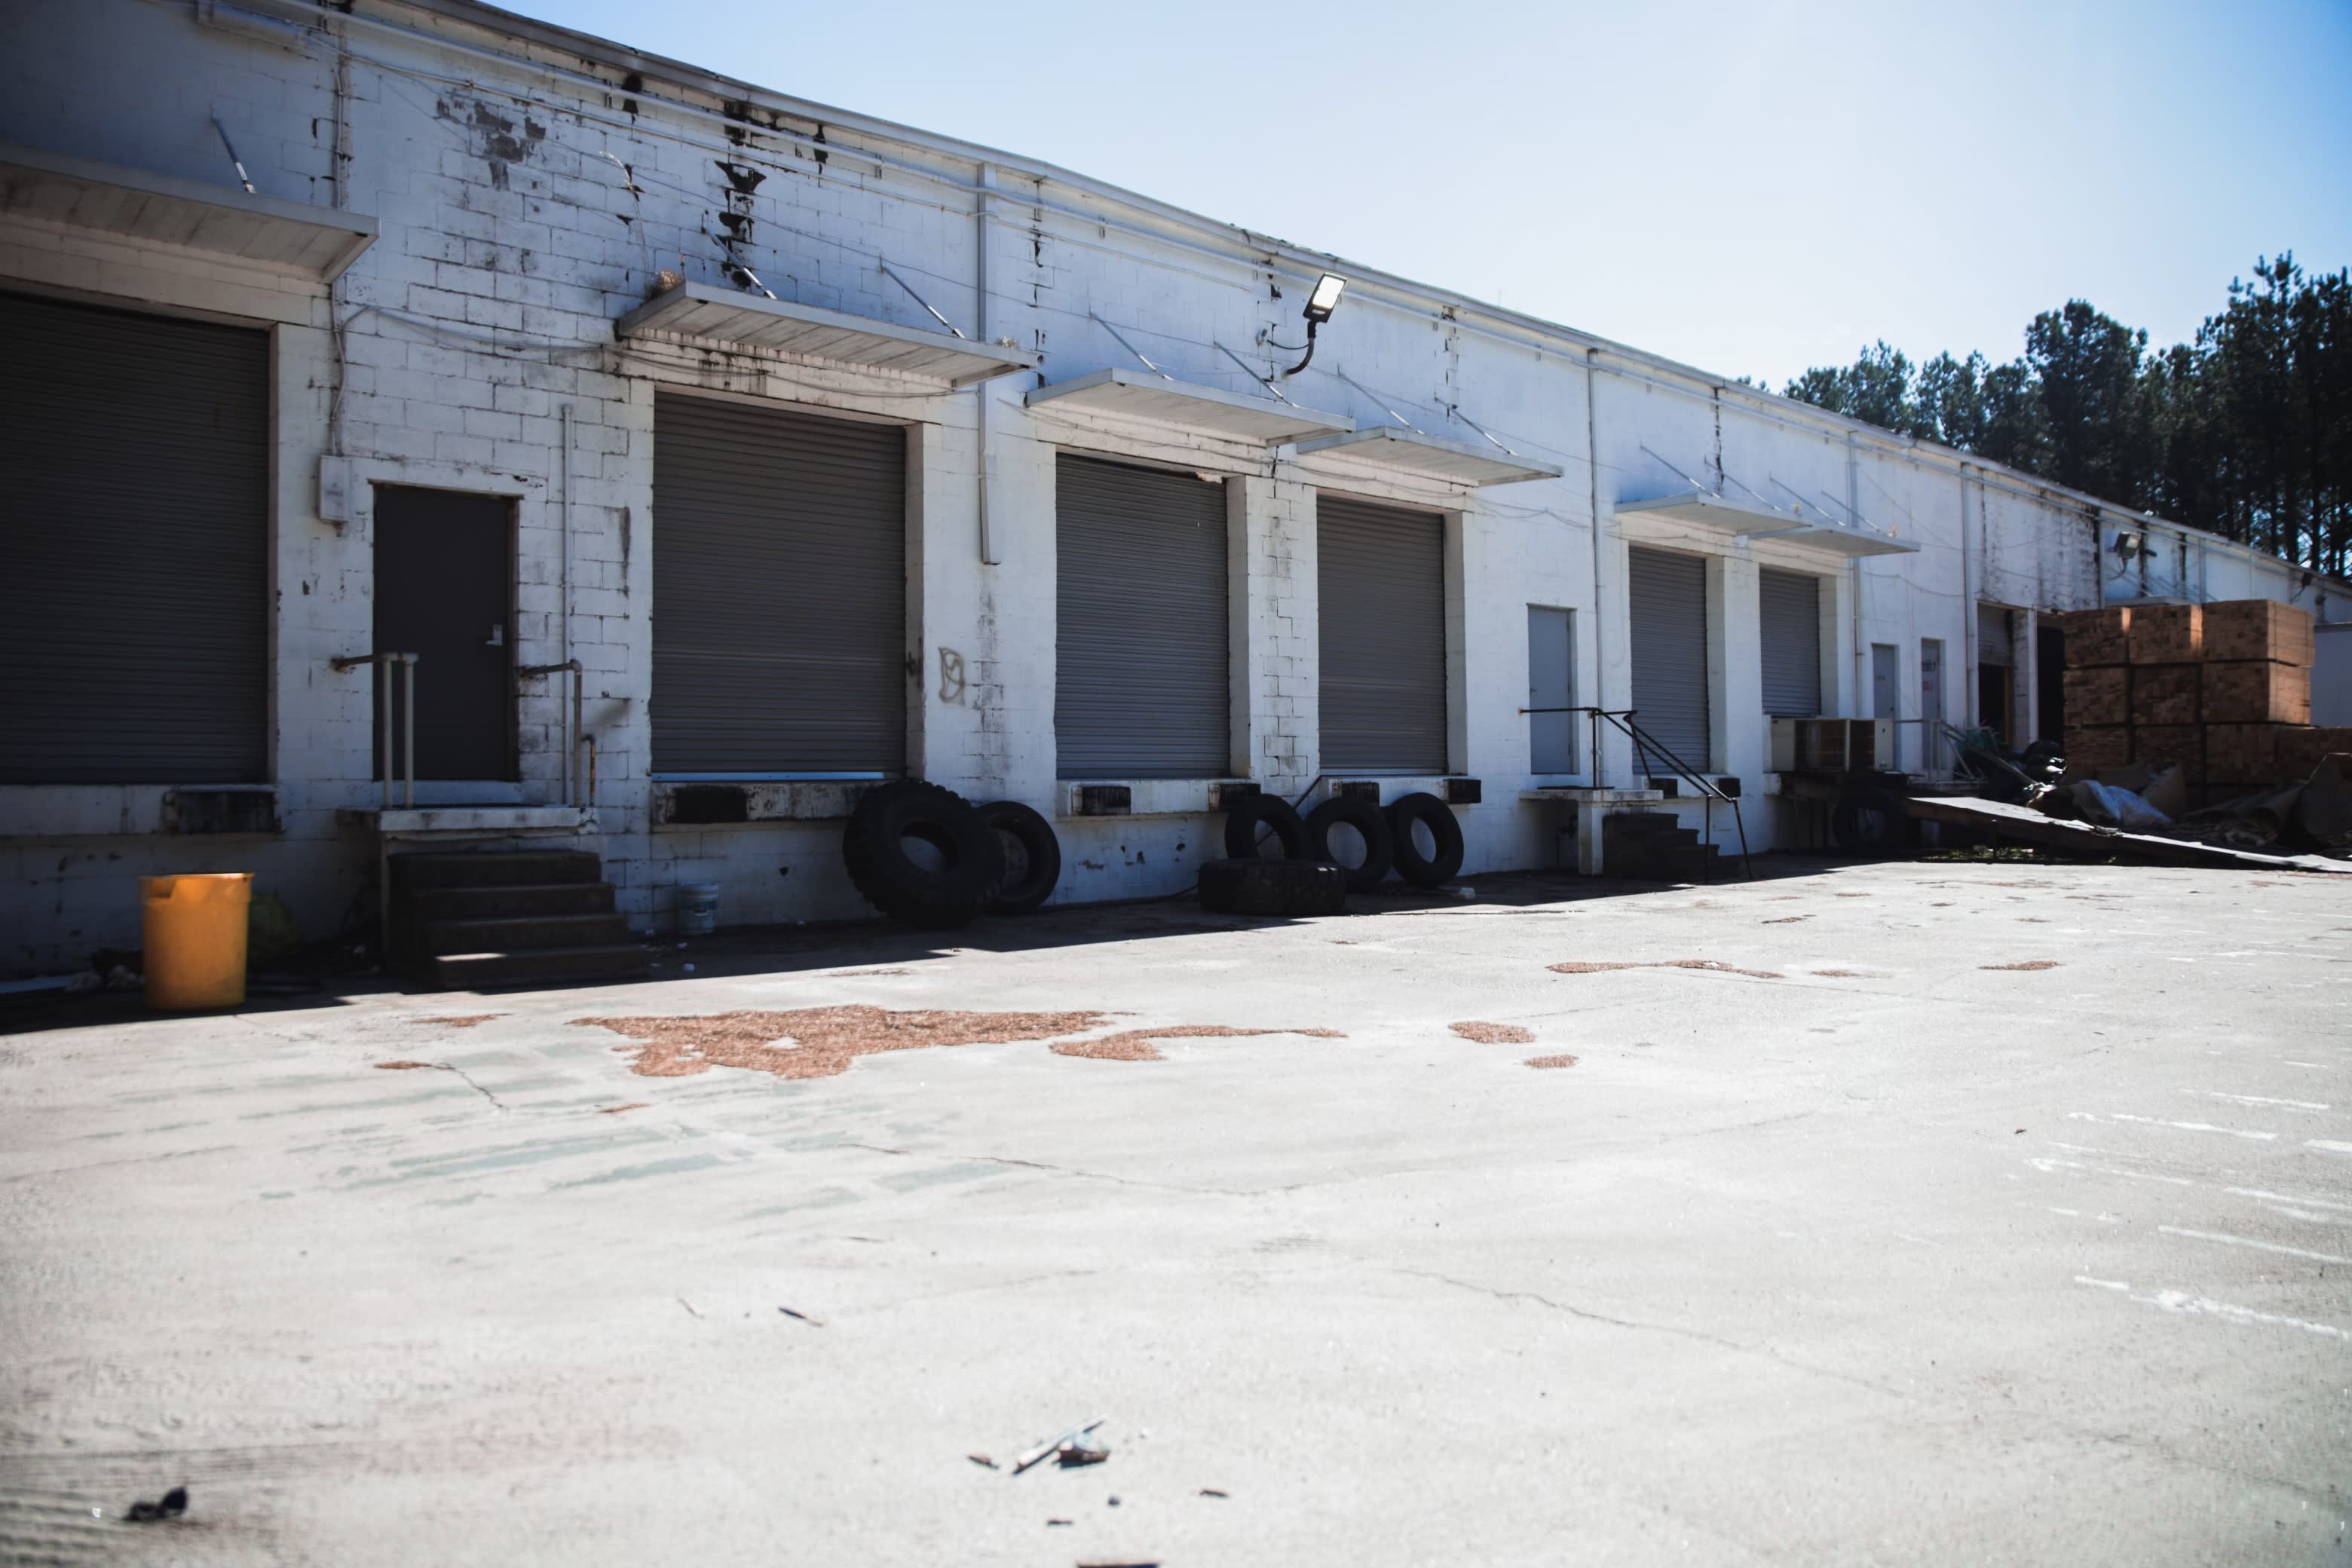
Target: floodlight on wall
pixel 1319 306
pixel 2129 544
pixel 1325 298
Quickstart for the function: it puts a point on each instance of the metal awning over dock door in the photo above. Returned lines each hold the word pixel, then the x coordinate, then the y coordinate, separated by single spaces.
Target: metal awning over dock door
pixel 1185 405
pixel 1380 589
pixel 699 312
pixel 780 592
pixel 1789 614
pixel 134 611
pixel 1142 688
pixel 233 226
pixel 1752 519
pixel 1666 603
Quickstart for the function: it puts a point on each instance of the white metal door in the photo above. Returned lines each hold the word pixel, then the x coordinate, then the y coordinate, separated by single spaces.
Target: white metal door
pixel 1886 697
pixel 1552 686
pixel 1931 701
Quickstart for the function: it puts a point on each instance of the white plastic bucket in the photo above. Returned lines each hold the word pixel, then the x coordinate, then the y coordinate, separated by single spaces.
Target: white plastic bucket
pixel 698 909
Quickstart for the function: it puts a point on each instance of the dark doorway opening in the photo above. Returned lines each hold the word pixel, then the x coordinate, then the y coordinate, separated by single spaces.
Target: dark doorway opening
pixel 2050 680
pixel 444 575
pixel 1992 700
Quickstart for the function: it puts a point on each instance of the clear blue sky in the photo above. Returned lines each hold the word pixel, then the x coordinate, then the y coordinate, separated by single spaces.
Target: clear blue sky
pixel 1749 187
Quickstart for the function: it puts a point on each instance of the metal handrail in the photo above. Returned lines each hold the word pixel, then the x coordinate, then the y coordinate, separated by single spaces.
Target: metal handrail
pixel 571 768
pixel 407 715
pixel 1644 743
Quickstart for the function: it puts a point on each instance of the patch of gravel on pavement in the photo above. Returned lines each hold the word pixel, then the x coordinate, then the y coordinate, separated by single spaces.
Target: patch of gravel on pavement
pixel 1551 1062
pixel 824 1040
pixel 2028 965
pixel 1493 1034
pixel 1135 1044
pixel 461 1021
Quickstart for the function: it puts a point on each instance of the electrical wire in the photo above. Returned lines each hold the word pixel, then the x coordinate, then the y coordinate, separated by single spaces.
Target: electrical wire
pixel 1755 402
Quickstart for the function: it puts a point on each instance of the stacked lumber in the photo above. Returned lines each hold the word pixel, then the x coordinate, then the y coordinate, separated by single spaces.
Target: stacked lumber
pixel 2222 689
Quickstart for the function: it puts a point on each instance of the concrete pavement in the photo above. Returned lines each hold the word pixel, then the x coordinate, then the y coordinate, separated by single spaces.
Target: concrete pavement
pixel 1905 1256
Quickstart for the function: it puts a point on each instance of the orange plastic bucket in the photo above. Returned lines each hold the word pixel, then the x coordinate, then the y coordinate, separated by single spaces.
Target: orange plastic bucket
pixel 195 939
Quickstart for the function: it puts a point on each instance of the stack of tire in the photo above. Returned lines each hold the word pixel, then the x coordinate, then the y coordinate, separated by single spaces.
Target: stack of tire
pixel 1001 858
pixel 1308 879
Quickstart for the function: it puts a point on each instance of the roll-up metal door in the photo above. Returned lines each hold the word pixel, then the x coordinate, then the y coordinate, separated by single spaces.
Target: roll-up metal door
pixel 135 608
pixel 1667 599
pixel 1380 581
pixel 1141 685
pixel 1993 646
pixel 1789 606
pixel 780 592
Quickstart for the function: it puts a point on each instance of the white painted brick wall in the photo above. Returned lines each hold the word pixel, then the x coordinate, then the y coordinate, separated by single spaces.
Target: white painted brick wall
pixel 510 241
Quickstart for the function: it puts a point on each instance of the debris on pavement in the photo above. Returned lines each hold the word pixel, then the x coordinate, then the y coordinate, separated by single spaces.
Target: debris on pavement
pixel 1215 1492
pixel 689 1306
pixel 1031 1455
pixel 171 1505
pixel 1551 1062
pixel 804 1317
pixel 405 1066
pixel 459 1021
pixel 2028 965
pixel 1493 1034
pixel 616 1110
pixel 982 1460
pixel 1081 1450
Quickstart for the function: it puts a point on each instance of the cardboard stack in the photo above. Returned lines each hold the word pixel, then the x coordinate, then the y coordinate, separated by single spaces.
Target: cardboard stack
pixel 2223 689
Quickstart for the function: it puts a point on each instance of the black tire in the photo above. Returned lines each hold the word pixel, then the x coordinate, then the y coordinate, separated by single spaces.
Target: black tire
pixel 934 898
pixel 1284 889
pixel 1365 817
pixel 1445 863
pixel 1243 821
pixel 1032 856
pixel 1866 824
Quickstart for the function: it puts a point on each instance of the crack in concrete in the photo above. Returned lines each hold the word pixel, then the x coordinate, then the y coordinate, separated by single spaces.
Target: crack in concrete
pixel 477 1088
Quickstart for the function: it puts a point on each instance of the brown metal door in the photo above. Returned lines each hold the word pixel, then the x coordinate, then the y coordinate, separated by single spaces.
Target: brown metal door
pixel 445 592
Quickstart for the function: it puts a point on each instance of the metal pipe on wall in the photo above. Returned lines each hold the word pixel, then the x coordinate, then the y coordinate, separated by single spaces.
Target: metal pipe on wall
pixel 564 601
pixel 1967 671
pixel 1853 512
pixel 983 228
pixel 1592 473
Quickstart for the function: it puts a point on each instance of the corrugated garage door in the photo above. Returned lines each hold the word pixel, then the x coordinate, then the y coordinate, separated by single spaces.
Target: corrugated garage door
pixel 1788 604
pixel 1141 688
pixel 1667 594
pixel 780 592
pixel 135 608
pixel 1381 577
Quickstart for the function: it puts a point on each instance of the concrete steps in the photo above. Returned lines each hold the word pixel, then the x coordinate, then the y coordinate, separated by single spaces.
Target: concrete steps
pixel 496 901
pixel 1653 846
pixel 505 918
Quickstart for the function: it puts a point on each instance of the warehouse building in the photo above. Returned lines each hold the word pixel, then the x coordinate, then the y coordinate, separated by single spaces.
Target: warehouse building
pixel 433 427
